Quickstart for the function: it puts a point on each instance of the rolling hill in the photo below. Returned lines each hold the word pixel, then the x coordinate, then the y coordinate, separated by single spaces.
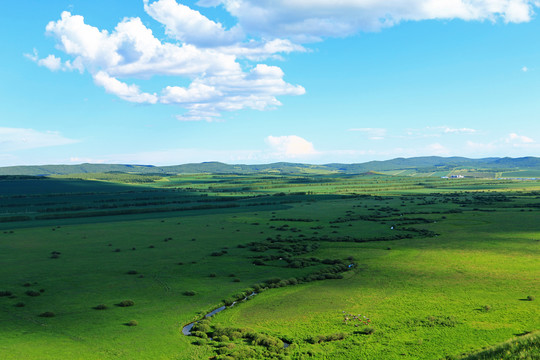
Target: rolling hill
pixel 419 164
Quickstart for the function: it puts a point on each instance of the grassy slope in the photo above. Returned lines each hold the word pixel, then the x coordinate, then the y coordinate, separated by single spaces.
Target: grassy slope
pixel 480 259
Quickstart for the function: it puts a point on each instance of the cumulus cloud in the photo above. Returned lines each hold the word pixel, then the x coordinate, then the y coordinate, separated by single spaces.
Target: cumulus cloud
pixel 220 63
pixel 13 139
pixel 291 146
pixel 190 26
pixel 207 55
pixel 522 139
pixel 124 91
pixel 313 19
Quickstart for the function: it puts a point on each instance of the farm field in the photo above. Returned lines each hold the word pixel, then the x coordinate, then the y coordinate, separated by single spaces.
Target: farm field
pixel 107 266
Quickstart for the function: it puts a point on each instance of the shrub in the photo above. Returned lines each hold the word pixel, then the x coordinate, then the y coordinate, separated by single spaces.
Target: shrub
pixel 132 272
pixel 47 314
pixel 126 303
pixel 322 338
pixel 530 298
pixel 212 275
pixel 5 293
pixel 189 293
pixel 202 327
pixel 117 250
pixel 368 330
pixel 132 323
pixel 32 293
pixel 221 338
pixel 19 304
pixel 236 280
pixel 199 334
pixel 486 308
pixel 100 307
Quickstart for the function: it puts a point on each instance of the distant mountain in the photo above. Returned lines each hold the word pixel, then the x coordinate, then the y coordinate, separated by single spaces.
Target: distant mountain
pixel 420 164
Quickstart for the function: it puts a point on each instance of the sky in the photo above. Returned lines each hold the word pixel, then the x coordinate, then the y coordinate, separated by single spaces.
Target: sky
pixel 167 82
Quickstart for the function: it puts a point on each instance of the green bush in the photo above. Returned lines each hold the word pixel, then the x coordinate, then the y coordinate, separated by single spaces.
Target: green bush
pixel 221 338
pixel 132 323
pixel 189 293
pixel 202 327
pixel 100 307
pixel 530 298
pixel 126 303
pixel 5 293
pixel 199 334
pixel 19 304
pixel 47 314
pixel 32 293
pixel 368 330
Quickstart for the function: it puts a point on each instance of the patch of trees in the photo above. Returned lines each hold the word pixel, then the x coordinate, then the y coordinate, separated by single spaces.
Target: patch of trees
pixel 15 218
pixel 293 219
pixel 326 338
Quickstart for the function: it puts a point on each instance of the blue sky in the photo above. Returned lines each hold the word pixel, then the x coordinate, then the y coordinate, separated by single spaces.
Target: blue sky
pixel 244 81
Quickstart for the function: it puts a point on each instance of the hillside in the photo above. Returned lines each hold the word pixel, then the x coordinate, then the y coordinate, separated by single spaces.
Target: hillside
pixel 418 164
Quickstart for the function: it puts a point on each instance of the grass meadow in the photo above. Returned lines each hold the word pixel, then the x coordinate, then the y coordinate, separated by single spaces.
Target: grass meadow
pixel 442 268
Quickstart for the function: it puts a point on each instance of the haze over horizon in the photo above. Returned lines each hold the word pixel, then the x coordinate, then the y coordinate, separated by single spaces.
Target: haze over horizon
pixel 168 82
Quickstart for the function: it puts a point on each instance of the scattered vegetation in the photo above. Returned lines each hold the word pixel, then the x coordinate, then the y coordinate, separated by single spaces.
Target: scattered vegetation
pixel 126 303
pixel 47 314
pixel 316 228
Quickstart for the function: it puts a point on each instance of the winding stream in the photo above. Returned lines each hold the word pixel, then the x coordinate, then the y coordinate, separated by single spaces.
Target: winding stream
pixel 186 330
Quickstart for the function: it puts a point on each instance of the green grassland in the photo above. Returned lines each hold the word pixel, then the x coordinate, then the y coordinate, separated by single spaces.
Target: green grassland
pixel 442 268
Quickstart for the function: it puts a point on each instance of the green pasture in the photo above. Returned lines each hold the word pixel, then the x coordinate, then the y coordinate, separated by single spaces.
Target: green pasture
pixel 522 174
pixel 424 297
pixel 441 267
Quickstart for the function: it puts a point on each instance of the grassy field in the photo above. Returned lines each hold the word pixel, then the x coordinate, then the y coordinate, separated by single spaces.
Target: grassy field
pixel 442 268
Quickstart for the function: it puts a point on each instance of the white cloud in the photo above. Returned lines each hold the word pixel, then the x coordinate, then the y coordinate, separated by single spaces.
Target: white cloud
pixel 130 93
pixel 522 139
pixel 190 26
pixel 291 146
pixel 373 133
pixel 207 56
pixel 524 69
pixel 313 19
pixel 448 130
pixel 438 131
pixel 13 139
pixel 51 62
pixel 511 145
pixel 220 63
